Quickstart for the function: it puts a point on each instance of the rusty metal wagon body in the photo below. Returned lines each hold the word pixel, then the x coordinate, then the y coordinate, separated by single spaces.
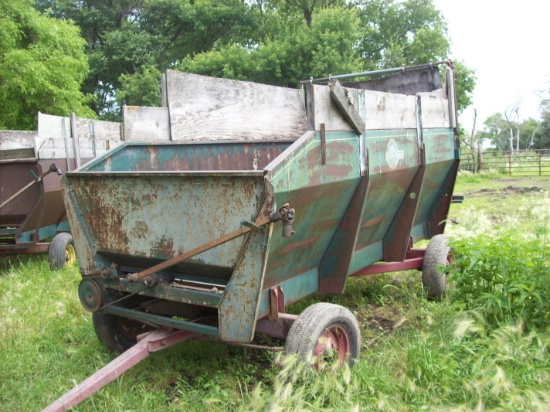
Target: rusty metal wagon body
pixel 31 205
pixel 214 232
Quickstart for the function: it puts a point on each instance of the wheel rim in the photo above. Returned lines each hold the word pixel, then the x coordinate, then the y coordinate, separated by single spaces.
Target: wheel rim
pixel 332 346
pixel 70 255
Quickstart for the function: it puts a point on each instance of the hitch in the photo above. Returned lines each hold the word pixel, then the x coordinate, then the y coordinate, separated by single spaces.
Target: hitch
pixel 286 215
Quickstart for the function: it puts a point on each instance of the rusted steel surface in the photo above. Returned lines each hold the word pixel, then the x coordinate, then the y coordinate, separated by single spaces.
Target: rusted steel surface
pixel 195 156
pixel 160 217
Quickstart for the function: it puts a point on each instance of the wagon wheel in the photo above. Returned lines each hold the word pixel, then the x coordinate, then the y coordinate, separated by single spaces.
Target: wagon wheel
pixel 437 255
pixel 116 332
pixel 325 332
pixel 61 252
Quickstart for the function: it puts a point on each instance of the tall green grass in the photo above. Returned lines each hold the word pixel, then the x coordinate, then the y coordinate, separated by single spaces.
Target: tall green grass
pixel 458 354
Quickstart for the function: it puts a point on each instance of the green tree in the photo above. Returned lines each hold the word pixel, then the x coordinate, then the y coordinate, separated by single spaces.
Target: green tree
pixel 497 132
pixel 296 54
pixel 272 41
pixel 398 33
pixel 502 132
pixel 123 36
pixel 42 66
pixel 465 82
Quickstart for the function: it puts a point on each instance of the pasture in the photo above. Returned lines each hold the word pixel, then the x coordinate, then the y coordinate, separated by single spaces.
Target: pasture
pixel 484 346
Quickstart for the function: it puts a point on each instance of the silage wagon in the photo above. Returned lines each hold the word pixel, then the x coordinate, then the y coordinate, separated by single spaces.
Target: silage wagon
pixel 261 197
pixel 31 164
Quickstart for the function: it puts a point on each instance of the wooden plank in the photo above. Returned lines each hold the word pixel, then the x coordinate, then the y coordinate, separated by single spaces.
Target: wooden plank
pixel 21 153
pixel 387 111
pixel 309 106
pixel 326 111
pixel 50 142
pixel 17 139
pixel 106 136
pixel 97 134
pixel 345 102
pixel 76 143
pixel 146 124
pixel 435 110
pixel 207 108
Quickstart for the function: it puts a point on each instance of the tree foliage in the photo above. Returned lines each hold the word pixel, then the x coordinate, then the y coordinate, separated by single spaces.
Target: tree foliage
pixel 278 42
pixel 42 66
pixel 295 53
pixel 502 133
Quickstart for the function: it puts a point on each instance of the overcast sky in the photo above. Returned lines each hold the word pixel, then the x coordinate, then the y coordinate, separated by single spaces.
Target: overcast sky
pixel 507 42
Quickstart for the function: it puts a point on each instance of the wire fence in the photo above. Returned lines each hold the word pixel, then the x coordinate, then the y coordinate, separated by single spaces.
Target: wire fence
pixel 512 163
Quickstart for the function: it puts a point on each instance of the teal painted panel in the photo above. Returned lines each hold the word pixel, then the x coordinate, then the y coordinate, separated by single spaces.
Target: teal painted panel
pixel 365 257
pixel 44 233
pixel 294 289
pixel 189 156
pixel 320 194
pixel 239 306
pixel 385 195
pixel 391 150
pixel 435 176
pixel 439 145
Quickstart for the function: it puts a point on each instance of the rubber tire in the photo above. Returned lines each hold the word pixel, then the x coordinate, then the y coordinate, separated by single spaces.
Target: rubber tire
pixel 116 332
pixel 57 250
pixel 312 323
pixel 437 254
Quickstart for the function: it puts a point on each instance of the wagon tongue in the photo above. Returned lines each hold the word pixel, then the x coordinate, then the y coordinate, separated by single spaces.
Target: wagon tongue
pixel 153 342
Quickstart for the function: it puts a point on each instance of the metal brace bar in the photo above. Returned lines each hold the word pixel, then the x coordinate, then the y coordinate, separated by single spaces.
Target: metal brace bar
pixel 323 145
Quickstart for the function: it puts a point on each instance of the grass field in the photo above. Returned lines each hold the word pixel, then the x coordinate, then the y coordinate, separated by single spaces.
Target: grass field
pixel 453 354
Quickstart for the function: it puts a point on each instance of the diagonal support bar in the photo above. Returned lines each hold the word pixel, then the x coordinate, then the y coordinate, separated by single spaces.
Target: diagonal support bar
pixel 153 342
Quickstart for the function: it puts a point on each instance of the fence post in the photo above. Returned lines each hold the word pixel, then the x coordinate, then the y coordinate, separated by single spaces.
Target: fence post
pixel 540 168
pixel 509 163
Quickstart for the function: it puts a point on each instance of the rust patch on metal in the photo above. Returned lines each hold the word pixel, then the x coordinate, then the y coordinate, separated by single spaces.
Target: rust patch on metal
pixel 373 222
pixel 304 244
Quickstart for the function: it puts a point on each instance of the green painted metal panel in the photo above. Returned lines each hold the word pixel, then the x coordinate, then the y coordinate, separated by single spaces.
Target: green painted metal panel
pixel 365 257
pixel 294 289
pixel 319 193
pixel 239 306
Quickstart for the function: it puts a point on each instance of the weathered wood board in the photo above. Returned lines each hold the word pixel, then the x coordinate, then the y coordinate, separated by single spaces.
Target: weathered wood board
pixel 146 124
pixel 387 111
pixel 17 144
pixel 207 108
pixel 435 110
pixel 380 110
pixel 326 111
pixel 95 137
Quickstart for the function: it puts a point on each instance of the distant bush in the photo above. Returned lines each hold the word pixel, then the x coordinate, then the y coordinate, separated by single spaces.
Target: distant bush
pixel 504 276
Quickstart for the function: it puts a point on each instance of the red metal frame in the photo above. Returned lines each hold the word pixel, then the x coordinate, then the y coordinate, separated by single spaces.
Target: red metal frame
pixel 153 342
pixel 413 260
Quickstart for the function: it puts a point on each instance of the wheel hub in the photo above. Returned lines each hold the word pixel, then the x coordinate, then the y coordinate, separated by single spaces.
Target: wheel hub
pixel 333 344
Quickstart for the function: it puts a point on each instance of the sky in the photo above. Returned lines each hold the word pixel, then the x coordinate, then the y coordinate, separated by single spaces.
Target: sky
pixel 507 43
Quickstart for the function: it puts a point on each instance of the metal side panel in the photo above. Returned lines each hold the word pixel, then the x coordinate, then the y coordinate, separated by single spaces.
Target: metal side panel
pixel 318 178
pixel 151 217
pixel 239 306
